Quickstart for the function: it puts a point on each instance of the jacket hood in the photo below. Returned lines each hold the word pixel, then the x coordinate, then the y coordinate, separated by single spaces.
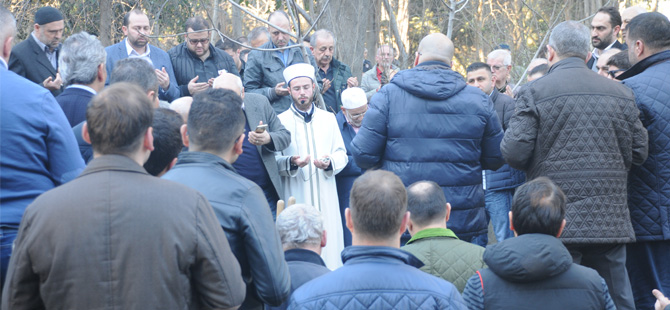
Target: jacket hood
pixel 432 80
pixel 528 258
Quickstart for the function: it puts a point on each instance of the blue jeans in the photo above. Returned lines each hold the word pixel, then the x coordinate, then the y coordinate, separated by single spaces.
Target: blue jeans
pixel 498 204
pixel 7 236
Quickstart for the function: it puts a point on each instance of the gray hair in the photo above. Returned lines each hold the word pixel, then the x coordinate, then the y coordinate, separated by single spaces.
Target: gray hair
pixel 501 53
pixel 319 33
pixel 79 59
pixel 7 25
pixel 135 71
pixel 299 225
pixel 570 39
pixel 257 32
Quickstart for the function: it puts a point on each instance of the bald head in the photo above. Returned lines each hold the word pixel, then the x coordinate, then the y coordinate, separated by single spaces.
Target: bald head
pixel 231 82
pixel 435 46
pixel 627 15
pixel 182 106
pixel 426 203
pixel 7 32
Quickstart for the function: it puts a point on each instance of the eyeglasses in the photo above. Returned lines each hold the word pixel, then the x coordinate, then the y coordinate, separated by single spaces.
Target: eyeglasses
pixel 613 73
pixel 196 42
pixel 357 115
pixel 497 68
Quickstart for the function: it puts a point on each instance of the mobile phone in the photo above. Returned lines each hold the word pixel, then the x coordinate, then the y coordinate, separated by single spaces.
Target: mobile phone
pixel 325 160
pixel 261 128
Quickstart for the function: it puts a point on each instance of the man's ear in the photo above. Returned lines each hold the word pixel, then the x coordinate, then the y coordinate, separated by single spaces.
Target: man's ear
pixel 153 96
pixel 149 139
pixel 324 239
pixel 588 57
pixel 102 72
pixel 560 231
pixel 416 59
pixel 448 212
pixel 36 27
pixel 639 48
pixel 616 31
pixel 238 145
pixel 511 225
pixel 7 48
pixel 348 220
pixel 184 134
pixel 403 224
pixel 84 133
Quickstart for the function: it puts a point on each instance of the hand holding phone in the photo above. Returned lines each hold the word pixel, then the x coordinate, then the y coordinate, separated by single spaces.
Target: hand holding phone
pixel 261 128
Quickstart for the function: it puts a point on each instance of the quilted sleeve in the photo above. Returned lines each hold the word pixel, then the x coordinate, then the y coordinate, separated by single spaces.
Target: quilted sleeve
pixel 473 294
pixel 518 144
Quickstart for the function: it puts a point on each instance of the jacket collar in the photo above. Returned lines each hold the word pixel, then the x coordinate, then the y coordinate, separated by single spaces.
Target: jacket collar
pixel 433 63
pixel 568 63
pixel 378 254
pixel 433 233
pixel 644 64
pixel 113 163
pixel 302 255
pixel 191 157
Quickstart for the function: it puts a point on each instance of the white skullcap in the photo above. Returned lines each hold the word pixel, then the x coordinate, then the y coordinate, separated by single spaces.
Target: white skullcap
pixel 354 97
pixel 298 70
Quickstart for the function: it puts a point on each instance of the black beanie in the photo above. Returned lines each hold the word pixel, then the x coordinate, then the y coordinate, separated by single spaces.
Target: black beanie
pixel 47 15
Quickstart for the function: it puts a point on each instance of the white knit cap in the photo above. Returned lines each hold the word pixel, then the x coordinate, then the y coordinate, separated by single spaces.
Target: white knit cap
pixel 298 70
pixel 354 97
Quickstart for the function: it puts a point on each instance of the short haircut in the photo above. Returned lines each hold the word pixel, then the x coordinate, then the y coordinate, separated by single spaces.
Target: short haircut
pixel 478 65
pixel 426 203
pixel 620 60
pixel 501 53
pixel 79 58
pixel 300 225
pixel 279 12
pixel 538 207
pixel 117 119
pixel 7 24
pixel 136 71
pixel 320 33
pixel 257 32
pixel 570 39
pixel 228 44
pixel 215 120
pixel 196 23
pixel 378 203
pixel 615 17
pixel 539 69
pixel 126 17
pixel 651 28
pixel 167 140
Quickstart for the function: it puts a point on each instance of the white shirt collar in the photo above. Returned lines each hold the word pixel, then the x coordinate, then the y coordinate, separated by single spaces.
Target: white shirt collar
pixel 595 50
pixel 39 43
pixel 84 87
pixel 3 63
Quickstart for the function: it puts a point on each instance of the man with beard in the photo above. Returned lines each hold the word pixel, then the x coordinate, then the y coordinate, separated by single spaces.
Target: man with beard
pixel 316 154
pixel 349 120
pixel 605 27
pixel 136 45
pixel 373 80
pixel 336 76
pixel 36 58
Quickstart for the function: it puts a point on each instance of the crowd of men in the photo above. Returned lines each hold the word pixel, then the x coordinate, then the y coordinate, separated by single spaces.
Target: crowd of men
pixel 209 176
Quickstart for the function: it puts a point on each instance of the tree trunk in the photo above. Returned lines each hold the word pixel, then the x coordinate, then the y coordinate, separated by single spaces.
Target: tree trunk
pixel 396 33
pixel 347 19
pixel 403 22
pixel 106 22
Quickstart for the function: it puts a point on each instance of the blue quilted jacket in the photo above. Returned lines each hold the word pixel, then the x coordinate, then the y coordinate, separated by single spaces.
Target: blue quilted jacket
pixel 376 277
pixel 649 184
pixel 427 124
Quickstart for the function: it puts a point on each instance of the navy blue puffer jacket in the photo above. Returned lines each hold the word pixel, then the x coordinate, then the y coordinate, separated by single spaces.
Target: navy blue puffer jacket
pixel 427 124
pixel 649 184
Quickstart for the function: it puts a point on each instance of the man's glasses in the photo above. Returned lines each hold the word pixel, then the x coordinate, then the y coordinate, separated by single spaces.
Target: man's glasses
pixel 196 42
pixel 613 73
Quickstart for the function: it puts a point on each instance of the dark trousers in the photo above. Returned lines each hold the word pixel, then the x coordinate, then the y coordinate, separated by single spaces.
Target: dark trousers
pixel 648 266
pixel 609 260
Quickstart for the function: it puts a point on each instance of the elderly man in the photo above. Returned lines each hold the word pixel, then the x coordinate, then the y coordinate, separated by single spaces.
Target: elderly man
pixel 266 135
pixel 316 154
pixel 215 137
pixel 376 274
pixel 82 66
pixel 535 267
pixel 440 130
pixel 129 225
pixel 36 58
pixel 626 16
pixel 300 228
pixel 432 242
pixel 648 39
pixel 136 28
pixel 587 130
pixel 605 27
pixel 499 185
pixel 37 148
pixel 258 36
pixel 500 61
pixel 196 62
pixel 373 79
pixel 263 71
pixel 336 76
pixel 349 120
